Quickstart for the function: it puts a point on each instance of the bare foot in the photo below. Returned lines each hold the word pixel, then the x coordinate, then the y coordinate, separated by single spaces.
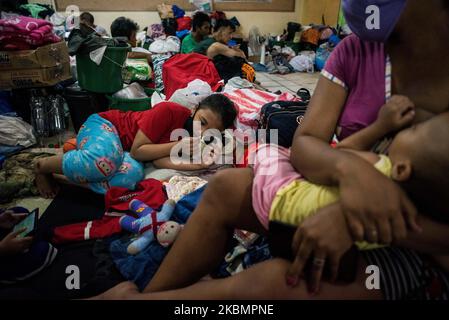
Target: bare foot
pixel 45 183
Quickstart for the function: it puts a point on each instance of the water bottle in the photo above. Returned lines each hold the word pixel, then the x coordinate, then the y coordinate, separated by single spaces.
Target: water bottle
pixel 56 114
pixel 38 115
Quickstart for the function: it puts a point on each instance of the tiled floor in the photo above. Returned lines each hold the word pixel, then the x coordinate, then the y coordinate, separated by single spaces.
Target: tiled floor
pixel 291 82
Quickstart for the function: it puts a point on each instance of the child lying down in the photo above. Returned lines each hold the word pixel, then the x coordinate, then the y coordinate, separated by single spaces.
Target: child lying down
pixel 255 196
pixel 111 145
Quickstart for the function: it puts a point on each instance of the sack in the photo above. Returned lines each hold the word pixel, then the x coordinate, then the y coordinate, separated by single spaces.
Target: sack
pixel 311 36
pixel 136 70
pixel 285 116
pixel 192 95
pixel 248 72
pixel 184 23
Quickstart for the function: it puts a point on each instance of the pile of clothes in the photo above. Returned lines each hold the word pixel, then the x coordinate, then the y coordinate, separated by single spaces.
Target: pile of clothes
pixel 25 33
pixel 301 49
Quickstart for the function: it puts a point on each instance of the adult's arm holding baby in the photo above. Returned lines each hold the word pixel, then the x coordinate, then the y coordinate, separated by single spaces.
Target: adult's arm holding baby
pixel 375 207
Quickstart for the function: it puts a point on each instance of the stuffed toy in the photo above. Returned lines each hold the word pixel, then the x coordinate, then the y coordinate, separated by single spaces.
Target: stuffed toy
pixel 167 233
pixel 147 224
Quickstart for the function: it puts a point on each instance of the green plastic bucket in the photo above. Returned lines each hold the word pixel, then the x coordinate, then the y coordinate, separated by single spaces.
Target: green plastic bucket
pixel 103 78
pixel 141 104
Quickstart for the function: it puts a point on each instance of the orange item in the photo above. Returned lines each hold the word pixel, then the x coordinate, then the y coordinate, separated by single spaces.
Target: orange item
pixel 69 145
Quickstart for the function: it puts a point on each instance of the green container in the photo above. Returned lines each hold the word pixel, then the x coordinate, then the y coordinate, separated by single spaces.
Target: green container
pixel 141 104
pixel 103 78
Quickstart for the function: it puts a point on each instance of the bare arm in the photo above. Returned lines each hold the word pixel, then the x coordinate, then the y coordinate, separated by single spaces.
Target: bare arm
pixel 434 238
pixel 141 55
pixel 364 139
pixel 143 149
pixel 397 113
pixel 166 163
pixel 374 206
pixel 318 161
pixel 219 48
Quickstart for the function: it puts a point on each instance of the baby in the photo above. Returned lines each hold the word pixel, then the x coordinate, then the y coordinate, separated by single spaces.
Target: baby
pixel 417 160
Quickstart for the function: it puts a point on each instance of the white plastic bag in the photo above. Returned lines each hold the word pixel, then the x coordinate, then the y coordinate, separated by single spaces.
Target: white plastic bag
pixel 302 63
pixel 171 44
pixel 16 132
pixel 192 95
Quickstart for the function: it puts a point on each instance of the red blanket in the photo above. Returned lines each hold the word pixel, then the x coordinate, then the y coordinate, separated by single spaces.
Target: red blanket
pixel 181 69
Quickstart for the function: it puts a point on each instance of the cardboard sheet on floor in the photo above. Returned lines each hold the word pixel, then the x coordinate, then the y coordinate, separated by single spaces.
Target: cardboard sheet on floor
pixel 97 271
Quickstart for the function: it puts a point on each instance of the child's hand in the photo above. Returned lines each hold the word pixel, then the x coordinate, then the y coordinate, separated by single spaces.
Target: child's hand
pixel 12 244
pixel 9 219
pixel 396 114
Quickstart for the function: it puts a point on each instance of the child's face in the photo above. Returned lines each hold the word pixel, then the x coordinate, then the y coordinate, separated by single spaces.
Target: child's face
pixel 208 120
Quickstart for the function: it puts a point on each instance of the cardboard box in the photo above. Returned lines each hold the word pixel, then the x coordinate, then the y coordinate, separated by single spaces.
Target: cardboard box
pixel 29 78
pixel 43 57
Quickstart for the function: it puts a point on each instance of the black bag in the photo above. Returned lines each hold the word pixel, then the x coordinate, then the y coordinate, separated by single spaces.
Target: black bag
pixel 285 116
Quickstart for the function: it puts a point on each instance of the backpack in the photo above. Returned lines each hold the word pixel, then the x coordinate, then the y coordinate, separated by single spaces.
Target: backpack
pixel 285 116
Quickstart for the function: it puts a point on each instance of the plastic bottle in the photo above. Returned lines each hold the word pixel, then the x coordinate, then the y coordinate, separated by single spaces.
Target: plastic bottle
pixel 38 115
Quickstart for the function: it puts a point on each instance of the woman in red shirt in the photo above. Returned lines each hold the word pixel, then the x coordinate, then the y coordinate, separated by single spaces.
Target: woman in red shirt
pixel 111 145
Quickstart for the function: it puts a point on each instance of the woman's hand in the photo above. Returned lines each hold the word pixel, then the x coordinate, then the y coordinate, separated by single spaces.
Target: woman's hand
pixel 396 114
pixel 323 236
pixel 9 219
pixel 376 209
pixel 12 244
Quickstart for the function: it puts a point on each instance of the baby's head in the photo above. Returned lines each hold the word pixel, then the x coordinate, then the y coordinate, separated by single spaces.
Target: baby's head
pixel 420 157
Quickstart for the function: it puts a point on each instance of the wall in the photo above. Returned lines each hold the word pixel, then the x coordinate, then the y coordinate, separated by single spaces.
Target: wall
pixel 312 11
pixel 306 11
pixel 268 22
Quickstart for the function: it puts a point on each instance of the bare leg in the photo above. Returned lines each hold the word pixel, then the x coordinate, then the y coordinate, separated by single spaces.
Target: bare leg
pixel 225 205
pixel 265 281
pixel 45 167
pixel 60 178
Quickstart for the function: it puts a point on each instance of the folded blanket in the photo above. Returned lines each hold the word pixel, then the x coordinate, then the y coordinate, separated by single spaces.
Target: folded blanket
pixel 18 31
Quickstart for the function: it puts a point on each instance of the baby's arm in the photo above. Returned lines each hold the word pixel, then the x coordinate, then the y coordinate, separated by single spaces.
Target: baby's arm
pixel 397 113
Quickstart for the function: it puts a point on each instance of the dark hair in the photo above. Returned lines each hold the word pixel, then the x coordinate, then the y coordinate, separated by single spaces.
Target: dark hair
pixel 199 19
pixel 429 184
pixel 123 27
pixel 220 104
pixel 224 23
pixel 87 16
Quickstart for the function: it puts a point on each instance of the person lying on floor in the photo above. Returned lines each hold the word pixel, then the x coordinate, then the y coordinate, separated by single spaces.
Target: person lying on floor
pixel 111 145
pixel 124 27
pixel 20 256
pixel 260 195
pixel 200 30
